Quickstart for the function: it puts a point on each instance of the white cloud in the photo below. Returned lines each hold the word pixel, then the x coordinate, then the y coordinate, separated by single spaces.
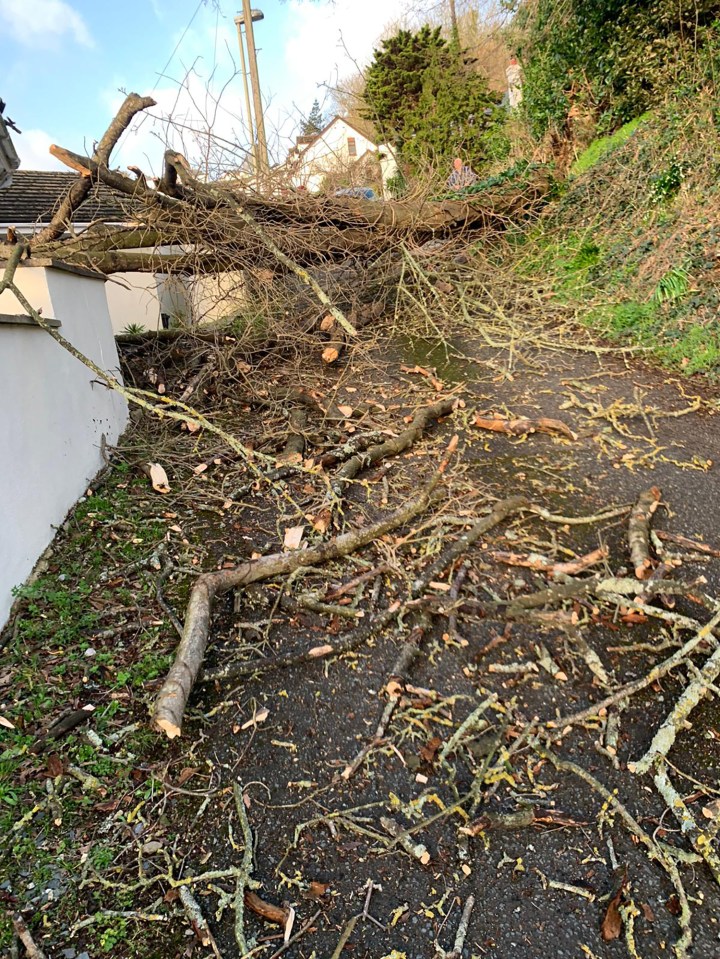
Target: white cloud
pixel 33 148
pixel 43 22
pixel 333 41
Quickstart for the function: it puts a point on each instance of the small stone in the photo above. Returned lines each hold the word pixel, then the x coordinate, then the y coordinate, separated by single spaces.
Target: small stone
pixel 90 652
pixel 69 954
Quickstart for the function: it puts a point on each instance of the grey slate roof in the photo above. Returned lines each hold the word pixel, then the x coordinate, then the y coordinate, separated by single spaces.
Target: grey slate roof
pixel 34 195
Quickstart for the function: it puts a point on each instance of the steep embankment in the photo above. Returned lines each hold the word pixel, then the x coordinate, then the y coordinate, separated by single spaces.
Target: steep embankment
pixel 632 240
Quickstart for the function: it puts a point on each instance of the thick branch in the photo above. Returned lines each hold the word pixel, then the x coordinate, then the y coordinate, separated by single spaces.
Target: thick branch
pixel 81 187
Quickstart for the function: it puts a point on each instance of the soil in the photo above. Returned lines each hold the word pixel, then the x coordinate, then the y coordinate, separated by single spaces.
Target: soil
pixel 543 889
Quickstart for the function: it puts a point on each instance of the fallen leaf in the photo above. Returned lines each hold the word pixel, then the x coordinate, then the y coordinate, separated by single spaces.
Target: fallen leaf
pixel 346 411
pixel 158 478
pixel 6 723
pixel 647 912
pixel 54 766
pixel 316 890
pixel 191 427
pixel 318 651
pixel 429 751
pixel 293 537
pixel 321 522
pixel 611 926
pixel 712 809
pixel 673 905
pixel 187 773
pixel 200 468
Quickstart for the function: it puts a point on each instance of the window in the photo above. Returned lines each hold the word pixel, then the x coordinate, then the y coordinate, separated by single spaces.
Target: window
pixel 352 147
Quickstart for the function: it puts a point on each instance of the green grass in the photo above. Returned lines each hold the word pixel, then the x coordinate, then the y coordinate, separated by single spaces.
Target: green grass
pixel 604 145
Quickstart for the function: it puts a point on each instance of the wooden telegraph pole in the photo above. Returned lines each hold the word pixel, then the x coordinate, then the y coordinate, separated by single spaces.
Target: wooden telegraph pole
pixel 263 165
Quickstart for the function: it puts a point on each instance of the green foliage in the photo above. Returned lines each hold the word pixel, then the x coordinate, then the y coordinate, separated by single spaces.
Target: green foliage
pixel 666 185
pixel 315 121
pixel 604 145
pixel 673 286
pixel 424 98
pixel 613 58
pixel 396 186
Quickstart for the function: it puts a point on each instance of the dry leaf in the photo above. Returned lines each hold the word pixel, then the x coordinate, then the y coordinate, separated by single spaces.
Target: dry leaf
pixel 316 890
pixel 55 766
pixel 187 773
pixel 293 537
pixel 318 651
pixel 346 411
pixel 611 926
pixel 712 809
pixel 322 520
pixel 6 723
pixel 158 478
pixel 429 751
pixel 191 427
pixel 200 468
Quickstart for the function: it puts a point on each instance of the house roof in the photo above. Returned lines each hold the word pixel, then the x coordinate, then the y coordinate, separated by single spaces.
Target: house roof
pixel 34 195
pixel 308 141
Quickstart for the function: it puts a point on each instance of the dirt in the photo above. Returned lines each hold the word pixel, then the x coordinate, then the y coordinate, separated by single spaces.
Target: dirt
pixel 542 889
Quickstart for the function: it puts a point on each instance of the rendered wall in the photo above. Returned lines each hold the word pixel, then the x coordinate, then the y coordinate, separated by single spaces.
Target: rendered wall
pixel 53 414
pixel 133 299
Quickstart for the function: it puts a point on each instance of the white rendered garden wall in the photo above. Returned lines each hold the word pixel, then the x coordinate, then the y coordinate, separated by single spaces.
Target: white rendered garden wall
pixel 54 416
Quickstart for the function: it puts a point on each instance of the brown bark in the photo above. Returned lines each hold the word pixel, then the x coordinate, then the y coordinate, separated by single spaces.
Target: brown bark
pixel 81 188
pixel 639 531
pixel 172 698
pixel 392 447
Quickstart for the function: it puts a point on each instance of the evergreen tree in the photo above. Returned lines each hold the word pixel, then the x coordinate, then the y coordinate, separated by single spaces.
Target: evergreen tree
pixel 315 122
pixel 424 98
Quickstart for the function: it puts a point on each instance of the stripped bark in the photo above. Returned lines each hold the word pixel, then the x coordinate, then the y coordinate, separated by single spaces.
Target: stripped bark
pixel 639 531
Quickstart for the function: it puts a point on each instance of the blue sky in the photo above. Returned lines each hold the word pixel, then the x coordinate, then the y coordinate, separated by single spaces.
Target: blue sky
pixel 65 63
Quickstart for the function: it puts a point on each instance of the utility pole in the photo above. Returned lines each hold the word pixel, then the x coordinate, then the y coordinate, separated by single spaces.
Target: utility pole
pixel 263 165
pixel 248 108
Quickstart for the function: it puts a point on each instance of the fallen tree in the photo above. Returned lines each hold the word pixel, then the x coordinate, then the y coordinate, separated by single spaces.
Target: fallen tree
pixel 210 226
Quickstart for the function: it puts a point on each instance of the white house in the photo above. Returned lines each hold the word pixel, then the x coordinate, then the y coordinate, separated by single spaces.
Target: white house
pixel 335 149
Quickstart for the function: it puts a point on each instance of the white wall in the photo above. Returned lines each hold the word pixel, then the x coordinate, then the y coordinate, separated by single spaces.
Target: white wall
pixel 329 153
pixel 215 296
pixel 53 414
pixel 133 298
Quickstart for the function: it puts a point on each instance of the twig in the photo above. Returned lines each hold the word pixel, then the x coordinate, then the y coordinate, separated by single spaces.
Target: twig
pixel 701 842
pixel 243 878
pixel 460 936
pixel 197 920
pixel 170 701
pixel 675 720
pixel 23 934
pixel 655 851
pixel 657 672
